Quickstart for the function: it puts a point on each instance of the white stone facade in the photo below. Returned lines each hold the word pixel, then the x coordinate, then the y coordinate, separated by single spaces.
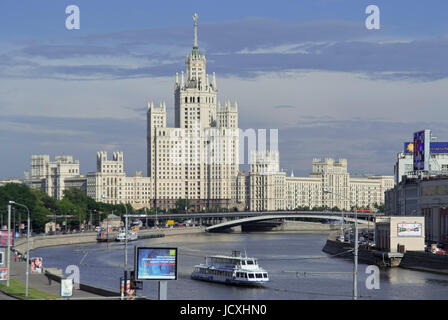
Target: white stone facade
pixel 53 177
pixel 269 188
pixel 111 185
pixel 196 160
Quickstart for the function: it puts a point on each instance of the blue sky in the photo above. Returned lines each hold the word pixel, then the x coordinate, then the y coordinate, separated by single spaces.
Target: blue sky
pixel 309 68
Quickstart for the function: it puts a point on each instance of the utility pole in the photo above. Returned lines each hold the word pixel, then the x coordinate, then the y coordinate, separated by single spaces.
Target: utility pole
pixel 9 245
pixel 355 258
pixel 126 252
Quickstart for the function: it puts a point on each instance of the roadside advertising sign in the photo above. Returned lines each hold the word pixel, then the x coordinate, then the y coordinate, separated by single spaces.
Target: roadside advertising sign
pixel 129 291
pixel 409 229
pixel 66 287
pixel 155 263
pixel 3 274
pixel 2 257
pixel 36 265
pixel 4 238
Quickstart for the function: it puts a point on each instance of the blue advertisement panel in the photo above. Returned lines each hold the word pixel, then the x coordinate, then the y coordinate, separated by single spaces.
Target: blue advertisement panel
pixel 439 147
pixel 435 147
pixel 156 263
pixel 421 150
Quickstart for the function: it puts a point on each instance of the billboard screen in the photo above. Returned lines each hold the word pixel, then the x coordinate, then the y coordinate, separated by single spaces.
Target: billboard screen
pixel 409 229
pixel 4 238
pixel 156 263
pixel 421 150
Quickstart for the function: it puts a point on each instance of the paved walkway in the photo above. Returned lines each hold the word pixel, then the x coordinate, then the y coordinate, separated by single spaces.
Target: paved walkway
pixel 40 282
pixel 6 297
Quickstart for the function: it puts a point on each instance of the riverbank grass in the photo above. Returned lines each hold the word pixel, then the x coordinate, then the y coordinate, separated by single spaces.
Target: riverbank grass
pixel 17 289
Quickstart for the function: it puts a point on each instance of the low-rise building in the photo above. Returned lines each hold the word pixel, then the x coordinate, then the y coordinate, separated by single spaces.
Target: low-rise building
pixel 400 234
pixel 424 196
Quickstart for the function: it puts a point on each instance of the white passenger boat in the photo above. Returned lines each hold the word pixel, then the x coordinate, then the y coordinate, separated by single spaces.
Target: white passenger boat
pixel 234 269
pixel 132 236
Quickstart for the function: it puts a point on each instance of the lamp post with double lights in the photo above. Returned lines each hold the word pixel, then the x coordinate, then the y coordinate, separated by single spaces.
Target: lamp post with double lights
pixel 125 246
pixel 355 258
pixel 27 245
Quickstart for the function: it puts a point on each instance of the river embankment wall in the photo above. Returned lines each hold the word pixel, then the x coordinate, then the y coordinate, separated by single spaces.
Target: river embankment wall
pixel 90 237
pixel 414 260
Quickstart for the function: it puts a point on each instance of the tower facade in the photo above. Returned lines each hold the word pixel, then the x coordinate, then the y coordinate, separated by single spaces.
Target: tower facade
pixel 197 160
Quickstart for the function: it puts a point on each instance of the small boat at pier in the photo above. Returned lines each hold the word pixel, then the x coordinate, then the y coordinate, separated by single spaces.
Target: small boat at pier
pixel 132 236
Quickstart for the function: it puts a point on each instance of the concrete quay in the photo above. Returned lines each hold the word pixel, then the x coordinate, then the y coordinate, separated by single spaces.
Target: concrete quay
pixel 91 237
pixel 415 260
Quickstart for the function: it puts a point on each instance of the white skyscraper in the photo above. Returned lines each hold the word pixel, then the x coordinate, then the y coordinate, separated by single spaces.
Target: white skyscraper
pixel 196 160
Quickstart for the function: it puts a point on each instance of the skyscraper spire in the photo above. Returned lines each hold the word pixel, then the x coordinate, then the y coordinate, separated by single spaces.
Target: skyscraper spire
pixel 195 51
pixel 195 19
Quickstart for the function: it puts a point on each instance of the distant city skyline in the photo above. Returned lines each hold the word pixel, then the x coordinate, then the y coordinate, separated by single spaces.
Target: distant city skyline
pixel 311 69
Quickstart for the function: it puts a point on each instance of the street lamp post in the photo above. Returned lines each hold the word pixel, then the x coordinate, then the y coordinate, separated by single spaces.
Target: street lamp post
pixel 126 251
pixel 27 246
pixel 9 244
pixel 355 258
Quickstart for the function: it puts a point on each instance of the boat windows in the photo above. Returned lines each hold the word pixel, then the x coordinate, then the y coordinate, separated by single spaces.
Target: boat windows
pixel 243 263
pixel 250 262
pixel 251 275
pixel 265 275
pixel 259 275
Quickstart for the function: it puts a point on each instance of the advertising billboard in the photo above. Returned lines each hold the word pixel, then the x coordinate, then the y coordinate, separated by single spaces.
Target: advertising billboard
pixel 156 263
pixel 3 274
pixel 409 229
pixel 4 238
pixel 66 287
pixel 434 147
pixel 129 291
pixel 36 265
pixel 438 147
pixel 421 150
pixel 2 257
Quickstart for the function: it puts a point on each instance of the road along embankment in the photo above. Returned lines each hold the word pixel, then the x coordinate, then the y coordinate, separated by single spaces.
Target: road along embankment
pixel 91 237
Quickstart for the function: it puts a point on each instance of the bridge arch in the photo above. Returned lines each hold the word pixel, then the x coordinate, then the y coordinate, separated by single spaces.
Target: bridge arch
pixel 237 222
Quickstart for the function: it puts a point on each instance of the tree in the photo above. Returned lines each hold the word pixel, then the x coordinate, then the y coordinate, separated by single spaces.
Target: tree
pixel 36 201
pixel 181 204
pixel 380 207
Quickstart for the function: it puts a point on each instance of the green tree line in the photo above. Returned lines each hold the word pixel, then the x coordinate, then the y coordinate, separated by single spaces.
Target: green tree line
pixel 75 203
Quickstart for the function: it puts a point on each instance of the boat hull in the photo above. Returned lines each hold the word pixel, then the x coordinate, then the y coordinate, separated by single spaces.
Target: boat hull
pixel 228 281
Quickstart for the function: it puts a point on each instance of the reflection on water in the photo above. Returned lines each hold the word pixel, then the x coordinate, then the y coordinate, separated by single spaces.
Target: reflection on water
pixel 277 252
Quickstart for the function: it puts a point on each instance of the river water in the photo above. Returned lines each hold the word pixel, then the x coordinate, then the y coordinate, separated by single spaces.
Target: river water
pixel 280 253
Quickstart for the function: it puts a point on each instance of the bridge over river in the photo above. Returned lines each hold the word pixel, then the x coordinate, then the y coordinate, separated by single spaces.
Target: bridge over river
pixel 362 218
